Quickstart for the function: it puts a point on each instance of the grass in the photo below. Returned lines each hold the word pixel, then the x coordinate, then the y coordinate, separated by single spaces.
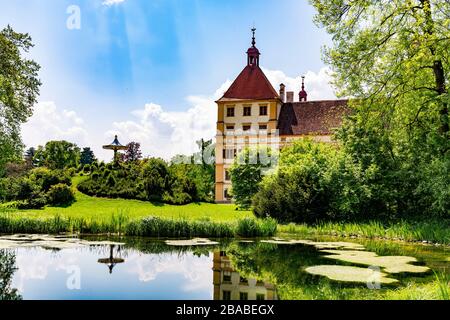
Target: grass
pixel 431 231
pixel 101 209
pixel 147 227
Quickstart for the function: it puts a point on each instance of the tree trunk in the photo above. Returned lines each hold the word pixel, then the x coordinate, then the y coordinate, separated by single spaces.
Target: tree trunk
pixel 438 68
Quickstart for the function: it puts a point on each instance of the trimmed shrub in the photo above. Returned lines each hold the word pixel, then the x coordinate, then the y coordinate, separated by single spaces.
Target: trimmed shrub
pixel 60 195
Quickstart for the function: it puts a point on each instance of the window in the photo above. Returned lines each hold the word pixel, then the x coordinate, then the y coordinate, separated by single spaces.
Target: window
pixel 226 295
pixel 243 280
pixel 226 276
pixel 223 254
pixel 230 127
pixel 243 296
pixel 246 127
pixel 247 111
pixel 263 127
pixel 229 153
pixel 263 110
pixel 227 175
pixel 228 197
pixel 230 112
pixel 260 297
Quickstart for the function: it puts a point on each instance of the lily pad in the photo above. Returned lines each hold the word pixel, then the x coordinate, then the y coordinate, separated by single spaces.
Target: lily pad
pixel 192 242
pixel 318 245
pixel 390 264
pixel 47 241
pixel 351 274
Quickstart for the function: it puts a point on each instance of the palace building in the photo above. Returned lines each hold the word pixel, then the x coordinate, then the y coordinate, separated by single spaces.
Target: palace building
pixel 253 113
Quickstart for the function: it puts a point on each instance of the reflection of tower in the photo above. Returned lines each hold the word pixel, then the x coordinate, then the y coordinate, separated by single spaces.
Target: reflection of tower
pixel 111 261
pixel 229 285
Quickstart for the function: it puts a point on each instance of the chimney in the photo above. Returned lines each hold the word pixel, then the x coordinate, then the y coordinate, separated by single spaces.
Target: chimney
pixel 290 97
pixel 283 92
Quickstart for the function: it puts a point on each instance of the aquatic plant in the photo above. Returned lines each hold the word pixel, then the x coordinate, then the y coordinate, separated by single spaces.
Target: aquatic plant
pixel 147 227
pixel 436 231
pixel 443 283
pixel 390 264
pixel 350 274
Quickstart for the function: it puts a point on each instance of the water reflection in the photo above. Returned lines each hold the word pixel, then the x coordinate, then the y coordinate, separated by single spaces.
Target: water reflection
pixel 230 285
pixel 111 262
pixel 150 269
pixel 7 270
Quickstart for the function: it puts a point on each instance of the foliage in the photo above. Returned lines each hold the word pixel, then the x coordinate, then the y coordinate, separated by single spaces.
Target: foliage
pixel 145 227
pixel 155 175
pixel 7 270
pixel 392 57
pixel 58 155
pixel 87 156
pixel 29 157
pixel 19 89
pixel 180 182
pixel 247 172
pixel 60 195
pixel 133 152
pixel 32 190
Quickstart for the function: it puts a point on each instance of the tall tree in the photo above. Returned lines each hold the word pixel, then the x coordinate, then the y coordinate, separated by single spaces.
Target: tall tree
pixel 393 58
pixel 19 89
pixel 61 155
pixel 133 152
pixel 87 156
pixel 394 55
pixel 29 156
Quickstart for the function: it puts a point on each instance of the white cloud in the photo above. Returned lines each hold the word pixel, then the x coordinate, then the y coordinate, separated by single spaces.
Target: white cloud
pixel 149 267
pixel 316 84
pixel 111 2
pixel 49 123
pixel 167 133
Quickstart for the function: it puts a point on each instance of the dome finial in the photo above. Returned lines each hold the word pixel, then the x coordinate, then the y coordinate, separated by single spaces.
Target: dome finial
pixel 254 38
pixel 303 95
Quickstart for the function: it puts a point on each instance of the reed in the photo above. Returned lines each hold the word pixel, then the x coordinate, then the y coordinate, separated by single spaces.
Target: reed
pixel 146 227
pixel 430 231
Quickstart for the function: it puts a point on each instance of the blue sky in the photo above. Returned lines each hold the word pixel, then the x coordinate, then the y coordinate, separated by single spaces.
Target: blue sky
pixel 138 66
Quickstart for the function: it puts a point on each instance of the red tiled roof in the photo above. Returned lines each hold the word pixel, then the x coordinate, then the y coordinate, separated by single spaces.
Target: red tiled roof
pixel 251 84
pixel 311 118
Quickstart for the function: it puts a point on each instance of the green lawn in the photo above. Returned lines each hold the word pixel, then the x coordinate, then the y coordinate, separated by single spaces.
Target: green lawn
pixel 102 209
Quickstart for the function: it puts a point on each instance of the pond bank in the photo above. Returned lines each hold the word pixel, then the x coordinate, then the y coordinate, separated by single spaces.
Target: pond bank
pixel 12 223
pixel 210 225
pixel 429 232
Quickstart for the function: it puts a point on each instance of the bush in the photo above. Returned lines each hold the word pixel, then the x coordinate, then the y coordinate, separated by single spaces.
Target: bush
pixel 247 172
pixel 301 188
pixel 60 195
pixel 87 168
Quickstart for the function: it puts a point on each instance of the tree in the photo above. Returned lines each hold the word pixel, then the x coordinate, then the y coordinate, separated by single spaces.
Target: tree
pixel 155 178
pixel 61 155
pixel 7 270
pixel 246 173
pixel 392 57
pixel 133 152
pixel 87 156
pixel 19 89
pixel 29 157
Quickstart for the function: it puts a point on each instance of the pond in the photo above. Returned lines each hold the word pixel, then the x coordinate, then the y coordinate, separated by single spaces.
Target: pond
pixel 65 268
